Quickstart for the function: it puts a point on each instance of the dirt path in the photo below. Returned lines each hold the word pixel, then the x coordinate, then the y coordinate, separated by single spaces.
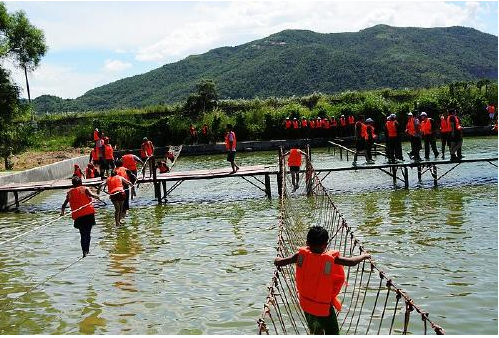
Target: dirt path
pixel 32 159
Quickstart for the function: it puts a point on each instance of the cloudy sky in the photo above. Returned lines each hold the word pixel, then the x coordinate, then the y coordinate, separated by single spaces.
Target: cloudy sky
pixel 94 43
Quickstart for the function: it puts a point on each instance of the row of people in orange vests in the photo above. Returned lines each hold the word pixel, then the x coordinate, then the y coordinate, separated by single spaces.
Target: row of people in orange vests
pixel 320 127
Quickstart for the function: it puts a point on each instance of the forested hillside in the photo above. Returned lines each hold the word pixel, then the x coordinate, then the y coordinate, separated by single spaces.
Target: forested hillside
pixel 298 62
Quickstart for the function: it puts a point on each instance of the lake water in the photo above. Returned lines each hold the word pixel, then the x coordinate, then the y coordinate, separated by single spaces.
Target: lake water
pixel 201 263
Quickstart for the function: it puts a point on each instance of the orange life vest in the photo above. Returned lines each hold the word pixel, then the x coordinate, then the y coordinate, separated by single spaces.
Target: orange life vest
pixel 92 155
pixel 363 130
pixel 227 143
pixel 410 128
pixel 304 123
pixel 294 159
pixel 334 122
pixel 121 171
pixel 129 162
pixel 318 281
pixel 98 150
pixel 295 124
pixel 96 135
pixel 369 131
pixel 114 184
pixel 312 124
pixel 343 121
pixel 287 124
pixel 78 172
pixel 391 128
pixel 204 130
pixel 163 168
pixel 108 152
pixel 426 126
pixel 146 149
pixel 326 124
pixel 89 172
pixel 444 125
pixel 491 109
pixel 77 199
pixel 458 123
pixel 351 119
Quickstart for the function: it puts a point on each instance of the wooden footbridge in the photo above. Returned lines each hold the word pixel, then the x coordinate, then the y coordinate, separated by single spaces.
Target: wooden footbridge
pixel 252 174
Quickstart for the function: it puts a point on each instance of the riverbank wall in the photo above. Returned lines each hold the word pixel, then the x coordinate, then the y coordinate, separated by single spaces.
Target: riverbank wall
pixel 54 171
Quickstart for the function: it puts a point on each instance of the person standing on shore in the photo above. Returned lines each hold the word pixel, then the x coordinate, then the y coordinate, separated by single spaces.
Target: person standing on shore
pixel 427 127
pixel 230 146
pixel 82 211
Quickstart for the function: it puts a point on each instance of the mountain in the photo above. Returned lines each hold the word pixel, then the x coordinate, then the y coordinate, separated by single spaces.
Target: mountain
pixel 300 62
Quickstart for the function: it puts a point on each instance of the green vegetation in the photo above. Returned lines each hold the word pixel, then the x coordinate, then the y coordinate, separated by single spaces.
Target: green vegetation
pixel 258 119
pixel 24 43
pixel 299 62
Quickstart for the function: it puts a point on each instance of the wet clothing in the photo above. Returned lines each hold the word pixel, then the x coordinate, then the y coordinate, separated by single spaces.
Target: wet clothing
pixel 231 156
pixel 323 325
pixel 84 225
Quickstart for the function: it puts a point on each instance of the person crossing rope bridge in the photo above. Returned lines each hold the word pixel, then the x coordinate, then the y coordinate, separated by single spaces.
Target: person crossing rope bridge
pixel 82 211
pixel 319 279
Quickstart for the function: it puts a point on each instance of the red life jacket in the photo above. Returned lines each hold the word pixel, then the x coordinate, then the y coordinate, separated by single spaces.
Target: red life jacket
pixel 294 159
pixel 77 199
pixel 114 184
pixel 351 120
pixel 227 143
pixel 363 130
pixel 312 124
pixel 129 162
pixel 391 128
pixel 77 172
pixel 121 171
pixel 318 281
pixel 295 124
pixel 369 130
pixel 426 126
pixel 458 123
pixel 89 172
pixel 326 124
pixel 146 150
pixel 204 130
pixel 318 124
pixel 343 121
pixel 304 123
pixel 96 135
pixel 410 128
pixel 334 122
pixel 287 124
pixel 108 152
pixel 444 125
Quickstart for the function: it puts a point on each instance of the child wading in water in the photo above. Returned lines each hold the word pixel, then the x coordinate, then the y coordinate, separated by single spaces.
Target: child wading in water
pixel 319 279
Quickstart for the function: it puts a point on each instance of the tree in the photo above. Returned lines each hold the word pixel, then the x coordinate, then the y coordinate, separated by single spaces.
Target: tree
pixel 204 99
pixel 26 44
pixel 4 23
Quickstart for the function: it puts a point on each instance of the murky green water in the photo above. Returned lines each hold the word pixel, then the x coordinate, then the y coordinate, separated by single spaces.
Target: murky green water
pixel 200 264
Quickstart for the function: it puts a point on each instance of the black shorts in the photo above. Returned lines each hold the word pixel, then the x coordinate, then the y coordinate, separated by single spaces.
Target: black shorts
pixel 294 168
pixel 133 176
pixel 118 197
pixel 231 156
pixel 84 221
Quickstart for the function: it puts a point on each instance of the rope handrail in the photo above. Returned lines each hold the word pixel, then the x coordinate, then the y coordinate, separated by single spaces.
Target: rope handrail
pixel 359 297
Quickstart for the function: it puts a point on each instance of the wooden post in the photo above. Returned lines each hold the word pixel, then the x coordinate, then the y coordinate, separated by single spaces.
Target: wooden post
pixel 308 171
pixel 267 186
pixel 16 196
pixel 435 177
pixel 157 186
pixel 341 153
pixel 280 173
pixel 347 154
pixel 394 175
pixel 406 178
pixel 419 173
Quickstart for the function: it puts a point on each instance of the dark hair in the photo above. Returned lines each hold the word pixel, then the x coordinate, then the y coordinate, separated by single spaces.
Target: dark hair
pixel 317 236
pixel 128 151
pixel 113 173
pixel 76 181
pixel 119 163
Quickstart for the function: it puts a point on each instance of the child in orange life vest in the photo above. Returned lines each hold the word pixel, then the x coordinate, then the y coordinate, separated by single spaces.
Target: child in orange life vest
pixel 77 171
pixel 82 211
pixel 117 195
pixel 318 296
pixel 294 163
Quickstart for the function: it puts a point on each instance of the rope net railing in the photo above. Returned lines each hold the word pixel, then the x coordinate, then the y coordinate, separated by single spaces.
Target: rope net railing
pixel 372 302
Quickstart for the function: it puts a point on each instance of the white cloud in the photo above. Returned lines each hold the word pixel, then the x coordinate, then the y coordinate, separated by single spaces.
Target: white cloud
pixel 115 66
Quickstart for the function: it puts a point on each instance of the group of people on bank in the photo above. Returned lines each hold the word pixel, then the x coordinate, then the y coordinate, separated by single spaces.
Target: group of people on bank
pixel 319 127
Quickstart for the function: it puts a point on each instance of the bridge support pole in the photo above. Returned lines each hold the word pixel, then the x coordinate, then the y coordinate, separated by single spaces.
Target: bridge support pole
pixel 406 178
pixel 394 175
pixel 16 196
pixel 419 173
pixel 341 154
pixel 280 172
pixel 157 185
pixel 308 173
pixel 267 186
pixel 435 176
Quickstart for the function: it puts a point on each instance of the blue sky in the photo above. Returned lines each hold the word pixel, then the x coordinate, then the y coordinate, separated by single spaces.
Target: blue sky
pixel 94 43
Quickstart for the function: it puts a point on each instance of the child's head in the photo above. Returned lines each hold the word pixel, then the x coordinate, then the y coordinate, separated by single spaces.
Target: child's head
pixel 317 239
pixel 76 181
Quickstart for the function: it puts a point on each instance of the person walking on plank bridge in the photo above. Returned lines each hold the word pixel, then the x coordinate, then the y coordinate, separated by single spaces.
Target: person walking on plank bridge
pixel 147 155
pixel 414 131
pixel 391 137
pixel 456 136
pixel 427 129
pixel 360 143
pixel 294 163
pixel 319 279
pixel 98 156
pixel 108 161
pixel 369 138
pixel 82 211
pixel 230 146
pixel 130 162
pixel 117 195
pixel 125 173
pixel 444 132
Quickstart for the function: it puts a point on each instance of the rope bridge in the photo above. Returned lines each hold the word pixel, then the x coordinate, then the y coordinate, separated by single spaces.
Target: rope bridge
pixel 372 303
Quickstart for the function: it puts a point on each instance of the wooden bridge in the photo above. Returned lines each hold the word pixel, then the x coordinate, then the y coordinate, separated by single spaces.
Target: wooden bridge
pixel 252 174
